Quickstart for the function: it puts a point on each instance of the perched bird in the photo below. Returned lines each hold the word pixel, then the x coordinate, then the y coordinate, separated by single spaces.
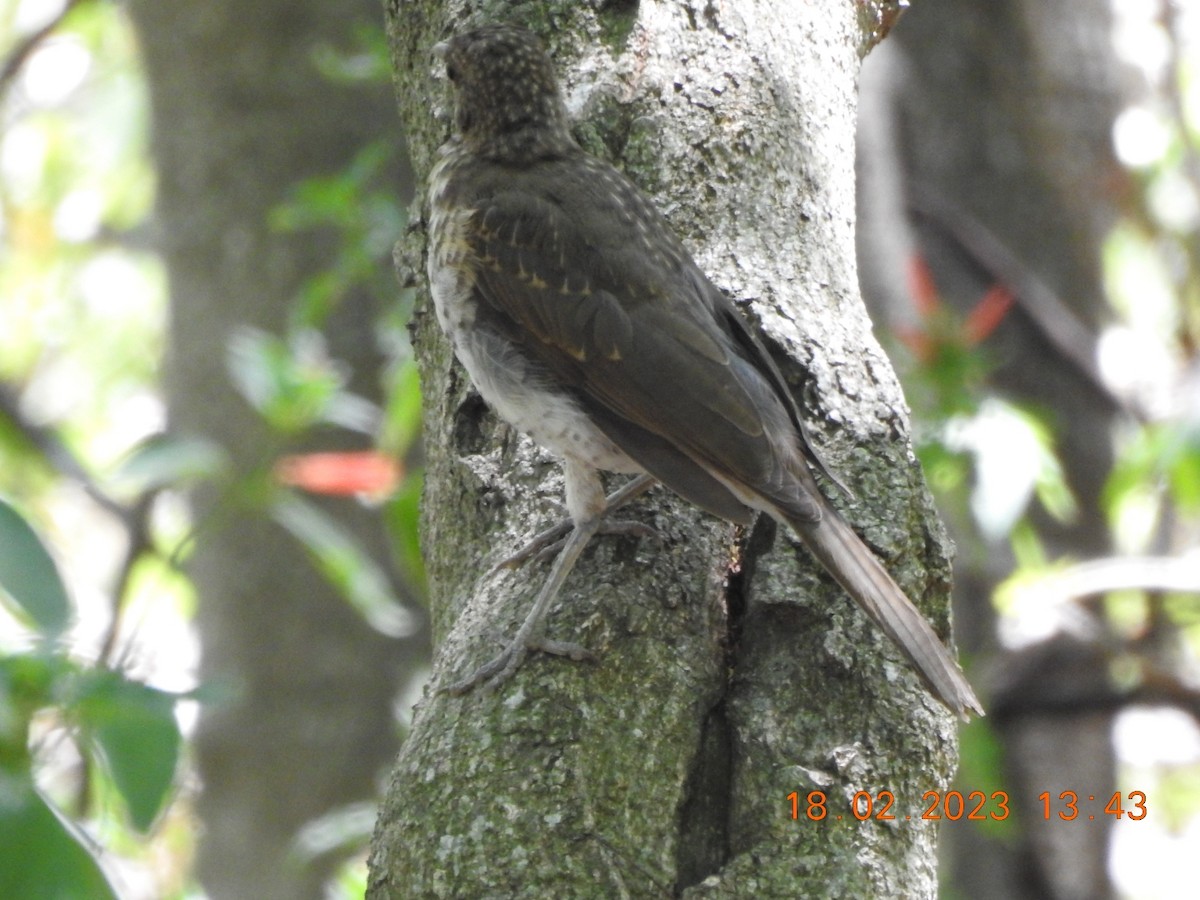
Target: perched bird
pixel 585 323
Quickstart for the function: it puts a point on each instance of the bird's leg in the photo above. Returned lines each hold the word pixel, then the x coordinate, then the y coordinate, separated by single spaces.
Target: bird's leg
pixel 496 672
pixel 587 504
pixel 553 539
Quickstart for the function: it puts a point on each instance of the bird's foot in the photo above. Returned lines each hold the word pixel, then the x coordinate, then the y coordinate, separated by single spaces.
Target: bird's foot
pixel 550 542
pixel 573 538
pixel 495 672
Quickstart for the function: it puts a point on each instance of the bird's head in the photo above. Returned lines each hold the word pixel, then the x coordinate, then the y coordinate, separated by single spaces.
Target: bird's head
pixel 506 93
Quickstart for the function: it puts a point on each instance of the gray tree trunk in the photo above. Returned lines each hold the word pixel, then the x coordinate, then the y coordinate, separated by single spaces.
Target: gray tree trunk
pixel 731 673
pixel 241 114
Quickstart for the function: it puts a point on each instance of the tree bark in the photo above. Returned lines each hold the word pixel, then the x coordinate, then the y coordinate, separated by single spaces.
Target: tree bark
pixel 241 115
pixel 731 672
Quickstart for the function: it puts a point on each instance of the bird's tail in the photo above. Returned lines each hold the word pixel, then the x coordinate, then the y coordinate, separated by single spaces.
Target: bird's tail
pixel 850 561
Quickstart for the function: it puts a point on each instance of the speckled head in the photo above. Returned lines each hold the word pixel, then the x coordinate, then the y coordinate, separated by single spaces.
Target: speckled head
pixel 506 91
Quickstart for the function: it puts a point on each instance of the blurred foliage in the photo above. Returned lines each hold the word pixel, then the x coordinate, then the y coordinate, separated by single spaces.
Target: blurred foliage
pixel 92 755
pixel 367 221
pixel 294 384
pixel 994 462
pixel 125 727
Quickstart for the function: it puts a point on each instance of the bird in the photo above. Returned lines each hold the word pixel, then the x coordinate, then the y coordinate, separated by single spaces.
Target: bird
pixel 584 322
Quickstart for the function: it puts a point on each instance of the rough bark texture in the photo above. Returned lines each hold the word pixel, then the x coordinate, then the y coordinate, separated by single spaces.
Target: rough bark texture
pixel 241 114
pixel 1002 112
pixel 730 673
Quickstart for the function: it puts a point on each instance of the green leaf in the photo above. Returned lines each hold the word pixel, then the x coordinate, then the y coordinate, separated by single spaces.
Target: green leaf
pixel 402 418
pixel 1185 479
pixel 366 60
pixel 28 682
pixel 164 460
pixel 134 727
pixel 29 576
pixel 403 517
pixel 346 565
pixel 1183 464
pixel 340 831
pixel 982 768
pixel 293 383
pixel 43 857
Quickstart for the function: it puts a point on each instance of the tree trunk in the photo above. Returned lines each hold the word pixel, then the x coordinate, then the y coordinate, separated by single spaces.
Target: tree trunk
pixel 241 115
pixel 731 672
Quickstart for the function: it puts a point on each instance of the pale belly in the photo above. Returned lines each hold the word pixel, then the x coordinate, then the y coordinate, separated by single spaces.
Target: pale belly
pixel 517 387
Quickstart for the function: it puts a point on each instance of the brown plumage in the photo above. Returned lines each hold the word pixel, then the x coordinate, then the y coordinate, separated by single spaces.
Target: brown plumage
pixel 584 321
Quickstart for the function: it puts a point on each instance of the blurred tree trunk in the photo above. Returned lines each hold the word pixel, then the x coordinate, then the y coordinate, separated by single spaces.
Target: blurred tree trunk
pixel 240 115
pixel 984 153
pixel 730 673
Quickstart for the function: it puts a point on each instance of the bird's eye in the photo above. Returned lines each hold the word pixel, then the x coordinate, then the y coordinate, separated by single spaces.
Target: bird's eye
pixel 452 73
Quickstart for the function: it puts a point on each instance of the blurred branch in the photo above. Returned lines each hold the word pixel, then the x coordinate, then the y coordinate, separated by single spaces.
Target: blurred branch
pixel 23 50
pixel 1149 573
pixel 1049 314
pixel 1166 688
pixel 138 534
pixel 58 455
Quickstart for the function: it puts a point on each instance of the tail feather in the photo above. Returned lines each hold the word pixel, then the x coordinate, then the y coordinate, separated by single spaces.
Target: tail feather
pixel 851 562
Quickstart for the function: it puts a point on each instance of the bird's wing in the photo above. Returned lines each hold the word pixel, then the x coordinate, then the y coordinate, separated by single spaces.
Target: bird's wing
pixel 753 347
pixel 604 295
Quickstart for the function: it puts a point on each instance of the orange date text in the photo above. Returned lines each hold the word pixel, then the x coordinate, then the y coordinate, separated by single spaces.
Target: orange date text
pixel 974 806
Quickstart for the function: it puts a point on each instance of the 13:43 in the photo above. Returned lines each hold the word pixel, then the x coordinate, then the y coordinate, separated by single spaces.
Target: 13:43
pixel 1067 805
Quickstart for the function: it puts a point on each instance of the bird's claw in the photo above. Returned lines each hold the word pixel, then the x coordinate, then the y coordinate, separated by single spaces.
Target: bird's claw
pixel 572 651
pixel 549 542
pixel 547 545
pixel 492 674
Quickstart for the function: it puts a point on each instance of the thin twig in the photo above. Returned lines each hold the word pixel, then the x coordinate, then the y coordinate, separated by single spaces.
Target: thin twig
pixel 58 455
